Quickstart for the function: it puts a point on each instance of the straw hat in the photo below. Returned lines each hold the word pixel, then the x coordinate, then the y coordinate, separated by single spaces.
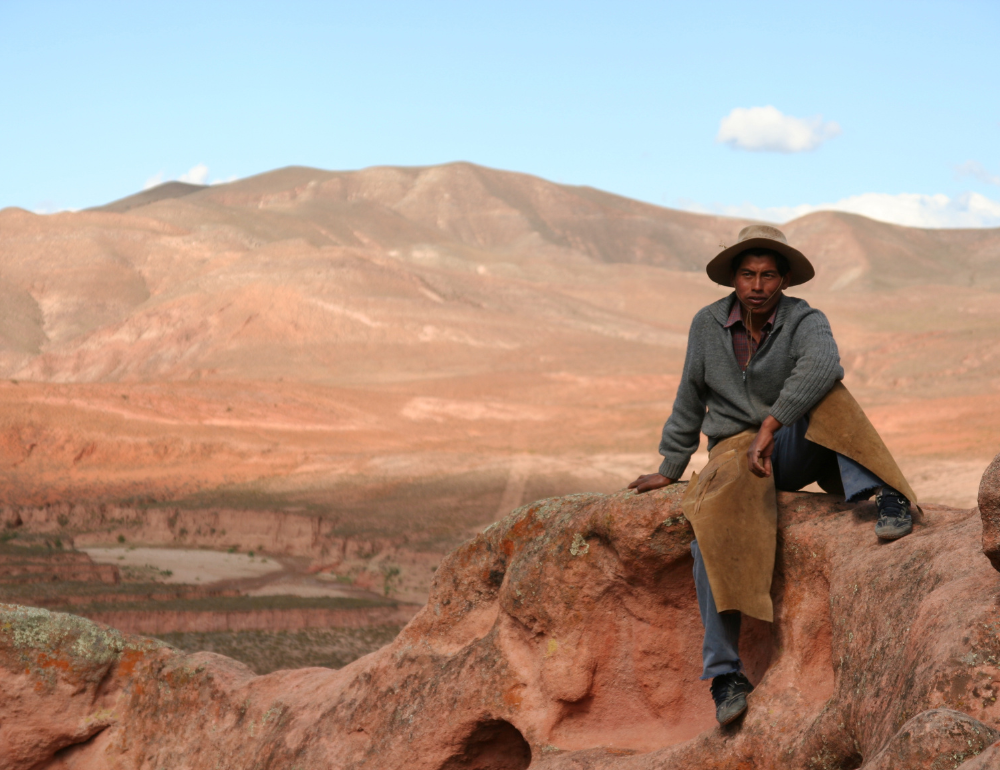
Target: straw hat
pixel 760 237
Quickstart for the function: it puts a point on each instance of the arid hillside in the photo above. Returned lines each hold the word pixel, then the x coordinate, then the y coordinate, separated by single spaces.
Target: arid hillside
pixel 413 352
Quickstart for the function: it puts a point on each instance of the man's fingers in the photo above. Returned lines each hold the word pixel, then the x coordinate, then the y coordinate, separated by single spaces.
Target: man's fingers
pixel 649 482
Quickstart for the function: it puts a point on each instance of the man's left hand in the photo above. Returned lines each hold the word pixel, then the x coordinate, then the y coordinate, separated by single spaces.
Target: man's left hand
pixel 759 453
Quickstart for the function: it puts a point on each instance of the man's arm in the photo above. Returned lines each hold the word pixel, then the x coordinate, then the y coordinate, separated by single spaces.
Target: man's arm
pixel 817 368
pixel 682 431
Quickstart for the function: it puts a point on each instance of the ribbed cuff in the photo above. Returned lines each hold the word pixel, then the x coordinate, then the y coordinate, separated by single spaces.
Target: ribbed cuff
pixel 787 413
pixel 672 470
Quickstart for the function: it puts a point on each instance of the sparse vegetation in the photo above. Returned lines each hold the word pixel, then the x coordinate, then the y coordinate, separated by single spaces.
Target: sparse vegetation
pixel 390 575
pixel 121 538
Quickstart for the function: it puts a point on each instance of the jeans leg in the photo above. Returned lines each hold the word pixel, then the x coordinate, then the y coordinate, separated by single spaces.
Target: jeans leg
pixel 797 462
pixel 859 482
pixel 720 651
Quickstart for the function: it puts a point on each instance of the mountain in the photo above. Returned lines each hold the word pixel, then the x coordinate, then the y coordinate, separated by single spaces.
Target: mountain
pixel 160 192
pixel 299 272
pixel 500 331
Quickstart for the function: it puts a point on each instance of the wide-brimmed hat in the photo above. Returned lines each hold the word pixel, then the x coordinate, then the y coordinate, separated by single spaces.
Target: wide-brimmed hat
pixel 760 237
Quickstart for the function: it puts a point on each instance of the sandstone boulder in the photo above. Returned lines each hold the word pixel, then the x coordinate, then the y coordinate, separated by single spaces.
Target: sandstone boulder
pixel 989 508
pixel 567 636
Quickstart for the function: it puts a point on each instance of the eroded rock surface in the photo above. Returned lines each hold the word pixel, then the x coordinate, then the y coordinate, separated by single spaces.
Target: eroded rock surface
pixel 567 636
pixel 989 507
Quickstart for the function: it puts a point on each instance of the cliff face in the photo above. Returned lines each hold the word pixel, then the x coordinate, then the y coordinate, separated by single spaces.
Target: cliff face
pixel 567 636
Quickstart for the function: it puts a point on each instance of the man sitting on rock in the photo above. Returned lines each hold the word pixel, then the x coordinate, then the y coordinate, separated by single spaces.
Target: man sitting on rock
pixel 762 380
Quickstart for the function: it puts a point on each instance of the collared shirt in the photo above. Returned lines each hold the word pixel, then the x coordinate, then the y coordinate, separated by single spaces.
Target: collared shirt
pixel 744 344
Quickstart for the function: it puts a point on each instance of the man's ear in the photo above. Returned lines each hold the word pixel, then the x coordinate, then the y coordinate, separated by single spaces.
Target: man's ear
pixel 785 281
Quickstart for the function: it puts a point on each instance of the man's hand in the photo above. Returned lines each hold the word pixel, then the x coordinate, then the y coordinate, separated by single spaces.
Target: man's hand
pixel 759 452
pixel 649 482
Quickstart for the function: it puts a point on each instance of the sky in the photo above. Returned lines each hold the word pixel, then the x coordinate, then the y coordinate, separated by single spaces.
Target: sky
pixel 764 109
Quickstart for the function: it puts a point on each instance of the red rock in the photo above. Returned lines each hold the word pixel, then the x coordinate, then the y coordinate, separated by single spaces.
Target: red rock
pixel 566 636
pixel 989 509
pixel 932 736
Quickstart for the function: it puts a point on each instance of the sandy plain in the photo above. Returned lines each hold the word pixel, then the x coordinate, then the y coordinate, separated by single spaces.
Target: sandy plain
pixel 187 565
pixel 407 354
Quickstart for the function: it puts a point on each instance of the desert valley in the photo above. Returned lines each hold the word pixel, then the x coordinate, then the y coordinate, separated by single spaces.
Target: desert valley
pixel 256 417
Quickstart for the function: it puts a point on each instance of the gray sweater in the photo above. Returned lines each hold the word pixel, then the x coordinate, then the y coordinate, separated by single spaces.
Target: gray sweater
pixel 794 368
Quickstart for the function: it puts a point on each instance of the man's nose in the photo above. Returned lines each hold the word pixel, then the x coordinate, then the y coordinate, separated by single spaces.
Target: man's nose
pixel 758 283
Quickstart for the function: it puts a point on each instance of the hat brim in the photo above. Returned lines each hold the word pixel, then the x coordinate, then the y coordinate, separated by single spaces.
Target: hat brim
pixel 801 268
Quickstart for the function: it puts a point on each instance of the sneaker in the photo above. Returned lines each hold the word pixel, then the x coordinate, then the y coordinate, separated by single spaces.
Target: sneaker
pixel 894 520
pixel 729 691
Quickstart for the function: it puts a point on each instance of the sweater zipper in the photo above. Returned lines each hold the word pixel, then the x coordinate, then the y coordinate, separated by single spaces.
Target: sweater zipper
pixel 746 386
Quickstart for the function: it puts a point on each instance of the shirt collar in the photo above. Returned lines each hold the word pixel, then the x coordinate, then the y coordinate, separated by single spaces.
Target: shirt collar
pixel 736 317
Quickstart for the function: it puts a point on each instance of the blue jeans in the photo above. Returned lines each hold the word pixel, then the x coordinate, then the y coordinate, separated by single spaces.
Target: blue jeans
pixel 795 463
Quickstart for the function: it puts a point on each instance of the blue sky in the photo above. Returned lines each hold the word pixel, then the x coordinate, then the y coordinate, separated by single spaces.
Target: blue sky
pixel 768 109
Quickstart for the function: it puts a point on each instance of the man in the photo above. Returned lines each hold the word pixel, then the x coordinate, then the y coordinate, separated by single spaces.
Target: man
pixel 762 371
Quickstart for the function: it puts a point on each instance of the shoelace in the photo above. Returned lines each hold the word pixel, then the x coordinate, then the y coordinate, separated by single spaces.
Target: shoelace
pixel 893 506
pixel 727 688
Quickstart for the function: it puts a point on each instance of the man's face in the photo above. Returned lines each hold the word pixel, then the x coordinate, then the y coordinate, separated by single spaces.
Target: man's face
pixel 758 284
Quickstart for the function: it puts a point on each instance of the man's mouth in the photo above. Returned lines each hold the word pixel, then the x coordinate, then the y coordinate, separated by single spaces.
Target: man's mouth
pixel 756 300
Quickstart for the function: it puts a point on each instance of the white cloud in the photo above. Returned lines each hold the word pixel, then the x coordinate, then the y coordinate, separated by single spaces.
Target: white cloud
pixel 154 181
pixel 195 175
pixel 50 207
pixel 978 170
pixel 911 209
pixel 767 129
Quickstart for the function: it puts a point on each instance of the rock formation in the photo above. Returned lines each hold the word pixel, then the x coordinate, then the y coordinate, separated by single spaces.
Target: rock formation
pixel 567 636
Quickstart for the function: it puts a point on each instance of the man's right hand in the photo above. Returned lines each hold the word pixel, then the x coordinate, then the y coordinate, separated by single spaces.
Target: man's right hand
pixel 649 482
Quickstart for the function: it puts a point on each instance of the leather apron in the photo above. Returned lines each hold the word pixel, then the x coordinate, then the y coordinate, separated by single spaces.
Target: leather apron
pixel 734 514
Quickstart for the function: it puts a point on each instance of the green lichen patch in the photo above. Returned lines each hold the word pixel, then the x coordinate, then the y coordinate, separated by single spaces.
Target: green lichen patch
pixel 579 546
pixel 54 645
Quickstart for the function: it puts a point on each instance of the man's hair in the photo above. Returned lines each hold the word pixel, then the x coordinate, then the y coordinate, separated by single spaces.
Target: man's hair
pixel 780 260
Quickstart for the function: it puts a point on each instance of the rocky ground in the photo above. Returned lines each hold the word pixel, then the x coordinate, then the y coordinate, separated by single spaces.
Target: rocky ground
pixel 567 636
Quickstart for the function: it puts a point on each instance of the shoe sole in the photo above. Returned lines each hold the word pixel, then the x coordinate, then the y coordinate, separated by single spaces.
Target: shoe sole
pixel 734 717
pixel 893 536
